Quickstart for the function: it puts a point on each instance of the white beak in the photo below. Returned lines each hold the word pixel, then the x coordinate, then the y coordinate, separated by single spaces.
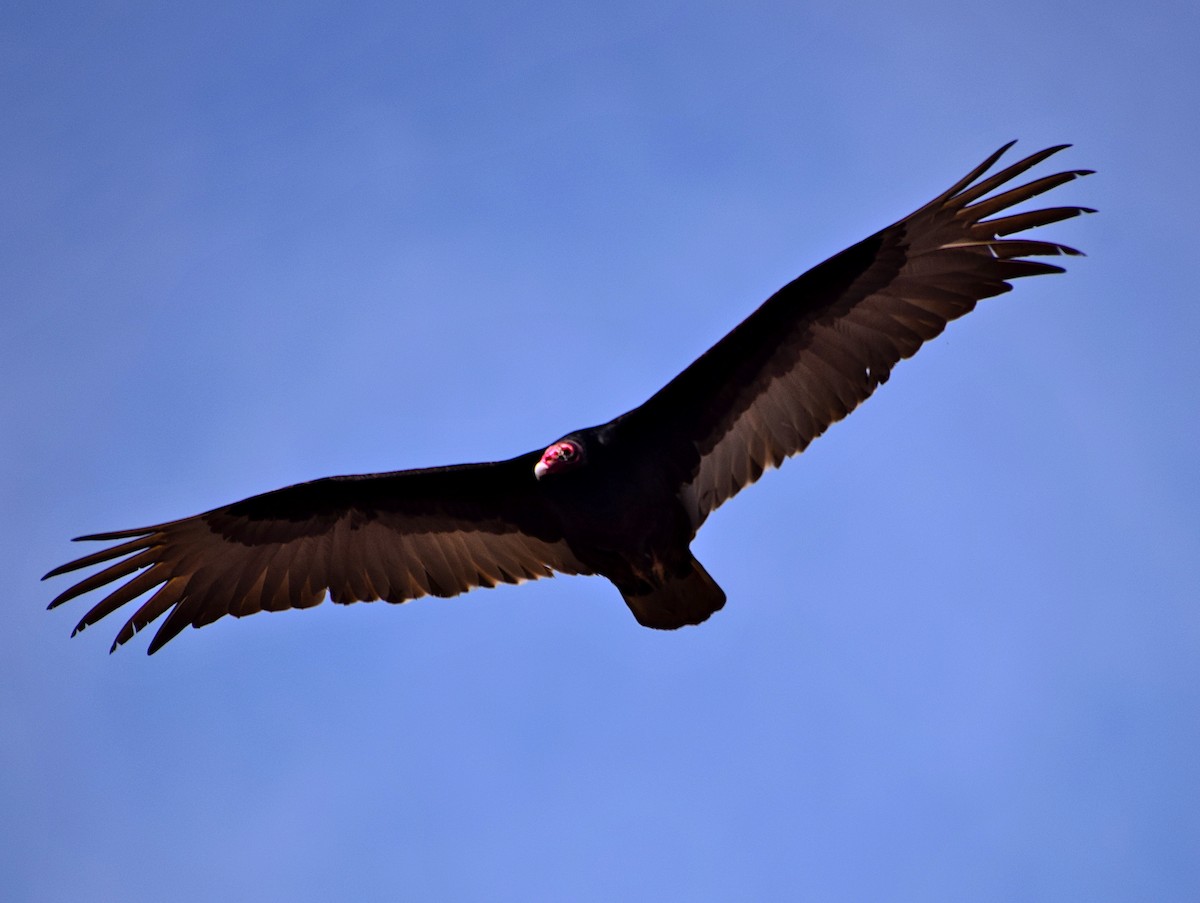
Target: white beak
pixel 539 469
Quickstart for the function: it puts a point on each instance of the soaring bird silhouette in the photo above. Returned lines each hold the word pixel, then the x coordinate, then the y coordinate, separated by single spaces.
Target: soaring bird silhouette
pixel 624 499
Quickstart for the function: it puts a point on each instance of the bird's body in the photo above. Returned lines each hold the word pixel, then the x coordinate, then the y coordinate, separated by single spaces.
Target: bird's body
pixel 624 499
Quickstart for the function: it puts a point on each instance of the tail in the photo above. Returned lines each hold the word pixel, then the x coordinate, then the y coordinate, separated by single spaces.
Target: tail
pixel 685 598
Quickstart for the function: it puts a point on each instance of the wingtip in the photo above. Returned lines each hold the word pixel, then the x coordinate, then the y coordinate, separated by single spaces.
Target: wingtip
pixel 1048 152
pixel 124 635
pixel 58 572
pixel 113 535
pixel 157 643
pixel 59 599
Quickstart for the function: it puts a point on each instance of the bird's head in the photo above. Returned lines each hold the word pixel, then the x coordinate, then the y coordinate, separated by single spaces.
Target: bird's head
pixel 563 455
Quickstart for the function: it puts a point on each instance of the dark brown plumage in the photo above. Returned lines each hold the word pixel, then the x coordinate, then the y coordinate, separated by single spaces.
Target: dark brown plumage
pixel 623 499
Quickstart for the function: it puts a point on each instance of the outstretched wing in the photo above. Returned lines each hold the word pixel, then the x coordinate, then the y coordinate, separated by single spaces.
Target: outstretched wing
pixel 393 536
pixel 821 344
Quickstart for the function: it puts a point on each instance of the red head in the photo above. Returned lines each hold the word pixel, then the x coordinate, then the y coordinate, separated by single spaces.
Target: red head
pixel 562 455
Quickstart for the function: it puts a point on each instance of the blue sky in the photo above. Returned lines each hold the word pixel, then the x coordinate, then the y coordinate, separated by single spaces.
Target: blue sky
pixel 246 245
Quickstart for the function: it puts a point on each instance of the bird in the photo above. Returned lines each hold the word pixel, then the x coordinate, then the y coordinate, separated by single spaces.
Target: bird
pixel 625 499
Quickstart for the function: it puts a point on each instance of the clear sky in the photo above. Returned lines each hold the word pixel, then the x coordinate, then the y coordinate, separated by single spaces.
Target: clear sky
pixel 245 245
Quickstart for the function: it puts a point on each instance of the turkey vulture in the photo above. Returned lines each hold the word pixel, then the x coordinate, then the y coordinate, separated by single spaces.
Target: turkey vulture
pixel 624 499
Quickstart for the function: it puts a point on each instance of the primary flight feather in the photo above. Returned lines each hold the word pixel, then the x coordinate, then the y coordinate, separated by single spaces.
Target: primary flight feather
pixel 625 499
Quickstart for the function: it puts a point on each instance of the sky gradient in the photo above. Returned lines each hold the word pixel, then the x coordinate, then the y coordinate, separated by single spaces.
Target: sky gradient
pixel 244 246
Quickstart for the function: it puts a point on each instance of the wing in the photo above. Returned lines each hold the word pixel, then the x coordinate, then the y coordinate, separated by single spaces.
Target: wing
pixel 393 536
pixel 821 344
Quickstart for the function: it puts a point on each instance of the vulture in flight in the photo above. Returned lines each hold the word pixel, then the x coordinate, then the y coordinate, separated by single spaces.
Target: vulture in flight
pixel 623 499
